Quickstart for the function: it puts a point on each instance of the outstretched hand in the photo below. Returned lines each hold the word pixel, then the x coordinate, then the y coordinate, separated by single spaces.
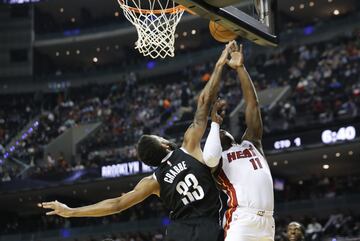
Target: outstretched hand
pixel 218 111
pixel 58 208
pixel 225 54
pixel 237 56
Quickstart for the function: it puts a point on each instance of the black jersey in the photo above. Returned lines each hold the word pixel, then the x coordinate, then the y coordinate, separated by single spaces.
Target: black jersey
pixel 187 187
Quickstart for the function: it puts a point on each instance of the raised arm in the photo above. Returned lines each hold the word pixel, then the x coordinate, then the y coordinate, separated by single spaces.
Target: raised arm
pixel 212 148
pixel 253 120
pixel 143 189
pixel 207 97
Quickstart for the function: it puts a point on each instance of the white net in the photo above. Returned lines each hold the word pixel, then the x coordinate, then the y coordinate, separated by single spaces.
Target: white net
pixel 155 22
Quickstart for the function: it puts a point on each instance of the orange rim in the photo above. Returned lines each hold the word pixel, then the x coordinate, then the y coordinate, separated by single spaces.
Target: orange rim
pixel 158 11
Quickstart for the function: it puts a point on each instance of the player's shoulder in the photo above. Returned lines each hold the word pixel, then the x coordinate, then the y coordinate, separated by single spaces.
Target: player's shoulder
pixel 235 147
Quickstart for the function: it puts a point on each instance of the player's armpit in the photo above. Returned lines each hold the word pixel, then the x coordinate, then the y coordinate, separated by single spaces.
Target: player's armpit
pixel 146 187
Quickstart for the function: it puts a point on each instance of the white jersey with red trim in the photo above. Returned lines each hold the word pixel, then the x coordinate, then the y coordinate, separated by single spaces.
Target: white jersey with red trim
pixel 246 178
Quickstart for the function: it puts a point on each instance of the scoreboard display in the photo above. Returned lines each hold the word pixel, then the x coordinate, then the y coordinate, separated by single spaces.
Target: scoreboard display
pixel 312 138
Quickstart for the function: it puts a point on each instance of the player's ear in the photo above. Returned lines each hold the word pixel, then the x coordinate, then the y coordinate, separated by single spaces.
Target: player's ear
pixel 164 145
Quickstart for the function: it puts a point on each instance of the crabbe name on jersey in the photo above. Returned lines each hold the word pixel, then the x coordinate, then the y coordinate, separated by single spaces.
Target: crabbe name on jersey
pixel 174 171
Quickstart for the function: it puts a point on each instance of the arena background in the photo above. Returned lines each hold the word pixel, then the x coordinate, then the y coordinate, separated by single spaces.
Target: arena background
pixel 75 97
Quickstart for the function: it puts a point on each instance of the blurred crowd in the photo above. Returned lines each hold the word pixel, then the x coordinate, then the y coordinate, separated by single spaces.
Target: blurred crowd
pixel 316 228
pixel 317 188
pixel 12 224
pixel 324 78
pixel 332 227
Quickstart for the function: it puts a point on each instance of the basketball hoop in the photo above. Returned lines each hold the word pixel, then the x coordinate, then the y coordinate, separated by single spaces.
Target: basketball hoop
pixel 155 22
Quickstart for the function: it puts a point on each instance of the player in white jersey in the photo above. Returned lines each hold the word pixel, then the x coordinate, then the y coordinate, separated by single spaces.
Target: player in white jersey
pixel 244 173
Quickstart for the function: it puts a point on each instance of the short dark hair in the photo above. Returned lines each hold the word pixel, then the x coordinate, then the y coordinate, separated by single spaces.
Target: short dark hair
pixel 150 151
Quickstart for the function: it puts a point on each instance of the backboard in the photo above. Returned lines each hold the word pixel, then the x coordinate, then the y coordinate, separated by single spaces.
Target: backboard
pixel 259 29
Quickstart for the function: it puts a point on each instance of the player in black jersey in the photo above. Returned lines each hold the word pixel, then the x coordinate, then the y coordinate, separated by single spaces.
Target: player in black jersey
pixel 182 180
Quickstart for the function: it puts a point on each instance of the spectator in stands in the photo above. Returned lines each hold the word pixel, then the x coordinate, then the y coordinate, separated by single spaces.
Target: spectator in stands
pixel 314 230
pixel 288 112
pixel 51 163
pixel 295 232
pixel 6 177
pixel 78 166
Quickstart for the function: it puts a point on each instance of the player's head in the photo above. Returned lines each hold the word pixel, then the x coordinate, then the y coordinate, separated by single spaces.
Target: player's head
pixel 152 149
pixel 295 231
pixel 227 140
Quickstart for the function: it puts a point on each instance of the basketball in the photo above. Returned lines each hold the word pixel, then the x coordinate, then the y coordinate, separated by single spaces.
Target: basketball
pixel 220 33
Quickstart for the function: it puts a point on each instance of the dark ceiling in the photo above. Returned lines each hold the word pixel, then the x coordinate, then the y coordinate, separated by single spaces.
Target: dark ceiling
pixel 112 48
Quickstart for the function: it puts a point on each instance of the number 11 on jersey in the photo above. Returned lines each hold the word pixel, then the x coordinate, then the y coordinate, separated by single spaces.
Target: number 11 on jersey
pixel 256 163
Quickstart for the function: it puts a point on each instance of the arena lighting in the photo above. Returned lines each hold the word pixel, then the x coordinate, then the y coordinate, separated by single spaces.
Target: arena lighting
pixel 65 233
pixel 17 142
pixel 165 221
pixel 308 30
pixel 311 4
pixel 301 182
pixel 19 1
pixel 338 154
pixel 193 32
pixel 72 32
pixel 151 64
pixel 95 60
pixel 350 153
pixel 336 12
pixel 61 10
pixel 275 163
pixel 292 8
pixel 301 6
pixel 326 166
pixel 57 54
pixel 185 34
pixel 325 156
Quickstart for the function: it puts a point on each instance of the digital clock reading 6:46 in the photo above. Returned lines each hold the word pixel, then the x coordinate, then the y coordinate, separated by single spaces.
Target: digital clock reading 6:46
pixel 343 134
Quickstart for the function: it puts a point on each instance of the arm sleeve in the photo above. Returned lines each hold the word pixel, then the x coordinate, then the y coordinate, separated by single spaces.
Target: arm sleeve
pixel 212 149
